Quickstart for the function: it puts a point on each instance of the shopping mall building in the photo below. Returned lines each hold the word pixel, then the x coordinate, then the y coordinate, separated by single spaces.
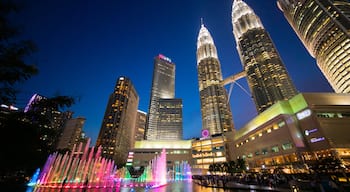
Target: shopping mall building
pixel 293 134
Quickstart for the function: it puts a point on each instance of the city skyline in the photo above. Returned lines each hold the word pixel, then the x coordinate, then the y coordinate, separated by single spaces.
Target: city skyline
pixel 109 38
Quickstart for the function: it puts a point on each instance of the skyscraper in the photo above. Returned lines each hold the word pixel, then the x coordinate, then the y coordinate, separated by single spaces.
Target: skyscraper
pixel 267 76
pixel 116 135
pixel 140 125
pixel 170 119
pixel 215 108
pixel 324 28
pixel 72 133
pixel 49 119
pixel 163 87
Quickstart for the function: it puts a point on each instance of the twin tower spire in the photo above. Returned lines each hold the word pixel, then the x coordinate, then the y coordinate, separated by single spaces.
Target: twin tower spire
pixel 266 74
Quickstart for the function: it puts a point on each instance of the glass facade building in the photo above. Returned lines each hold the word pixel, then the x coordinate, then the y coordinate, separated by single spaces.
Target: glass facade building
pixel 267 76
pixel 140 125
pixel 170 119
pixel 72 133
pixel 215 108
pixel 116 135
pixel 324 28
pixel 161 122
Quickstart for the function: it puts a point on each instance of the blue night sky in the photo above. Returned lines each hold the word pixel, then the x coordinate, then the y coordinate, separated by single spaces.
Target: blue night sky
pixel 85 45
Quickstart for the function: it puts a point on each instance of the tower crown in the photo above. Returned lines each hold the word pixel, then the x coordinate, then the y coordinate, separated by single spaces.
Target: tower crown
pixel 204 37
pixel 205 45
pixel 243 19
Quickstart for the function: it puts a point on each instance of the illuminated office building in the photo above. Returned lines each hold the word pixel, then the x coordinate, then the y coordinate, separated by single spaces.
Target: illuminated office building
pixel 215 107
pixel 117 131
pixel 72 133
pixel 36 110
pixel 267 76
pixel 140 125
pixel 170 119
pixel 324 28
pixel 164 120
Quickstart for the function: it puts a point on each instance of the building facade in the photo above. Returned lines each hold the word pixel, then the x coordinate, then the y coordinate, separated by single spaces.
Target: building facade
pixel 140 125
pixel 215 107
pixel 117 131
pixel 170 119
pixel 207 151
pixel 296 134
pixel 267 76
pixel 324 28
pixel 163 90
pixel 72 133
pixel 49 119
pixel 176 152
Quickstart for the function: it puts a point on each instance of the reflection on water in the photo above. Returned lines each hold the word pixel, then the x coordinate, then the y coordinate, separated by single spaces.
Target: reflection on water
pixel 179 186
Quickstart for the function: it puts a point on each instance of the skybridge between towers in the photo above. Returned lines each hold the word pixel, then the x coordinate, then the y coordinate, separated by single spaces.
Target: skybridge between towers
pixel 233 78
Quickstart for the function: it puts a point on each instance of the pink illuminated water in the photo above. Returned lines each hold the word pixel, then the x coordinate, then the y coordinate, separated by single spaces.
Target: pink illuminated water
pixel 79 169
pixel 159 169
pixel 87 169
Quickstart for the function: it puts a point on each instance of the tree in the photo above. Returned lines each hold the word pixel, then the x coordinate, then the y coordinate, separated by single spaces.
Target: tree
pixel 211 168
pixel 241 166
pixel 231 167
pixel 13 52
pixel 225 167
pixel 21 143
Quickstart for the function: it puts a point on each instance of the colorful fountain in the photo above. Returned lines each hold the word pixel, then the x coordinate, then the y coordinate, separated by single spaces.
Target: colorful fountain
pixel 182 171
pixel 88 169
pixel 83 168
pixel 159 169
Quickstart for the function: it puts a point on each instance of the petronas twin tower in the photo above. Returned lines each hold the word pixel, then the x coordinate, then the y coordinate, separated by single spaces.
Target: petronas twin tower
pixel 215 109
pixel 267 76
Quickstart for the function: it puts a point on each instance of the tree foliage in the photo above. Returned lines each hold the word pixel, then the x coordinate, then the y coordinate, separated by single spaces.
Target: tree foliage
pixel 22 140
pixel 13 53
pixel 22 143
pixel 230 167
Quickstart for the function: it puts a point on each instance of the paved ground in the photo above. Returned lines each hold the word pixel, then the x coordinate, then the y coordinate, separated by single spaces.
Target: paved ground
pixel 234 185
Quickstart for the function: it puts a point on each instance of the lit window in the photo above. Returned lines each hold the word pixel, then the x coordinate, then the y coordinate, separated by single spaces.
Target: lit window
pixel 287 146
pixel 275 149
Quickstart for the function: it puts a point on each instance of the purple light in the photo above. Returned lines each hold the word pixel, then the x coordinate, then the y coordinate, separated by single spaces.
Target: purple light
pixel 35 98
pixel 205 133
pixel 314 140
pixel 307 132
